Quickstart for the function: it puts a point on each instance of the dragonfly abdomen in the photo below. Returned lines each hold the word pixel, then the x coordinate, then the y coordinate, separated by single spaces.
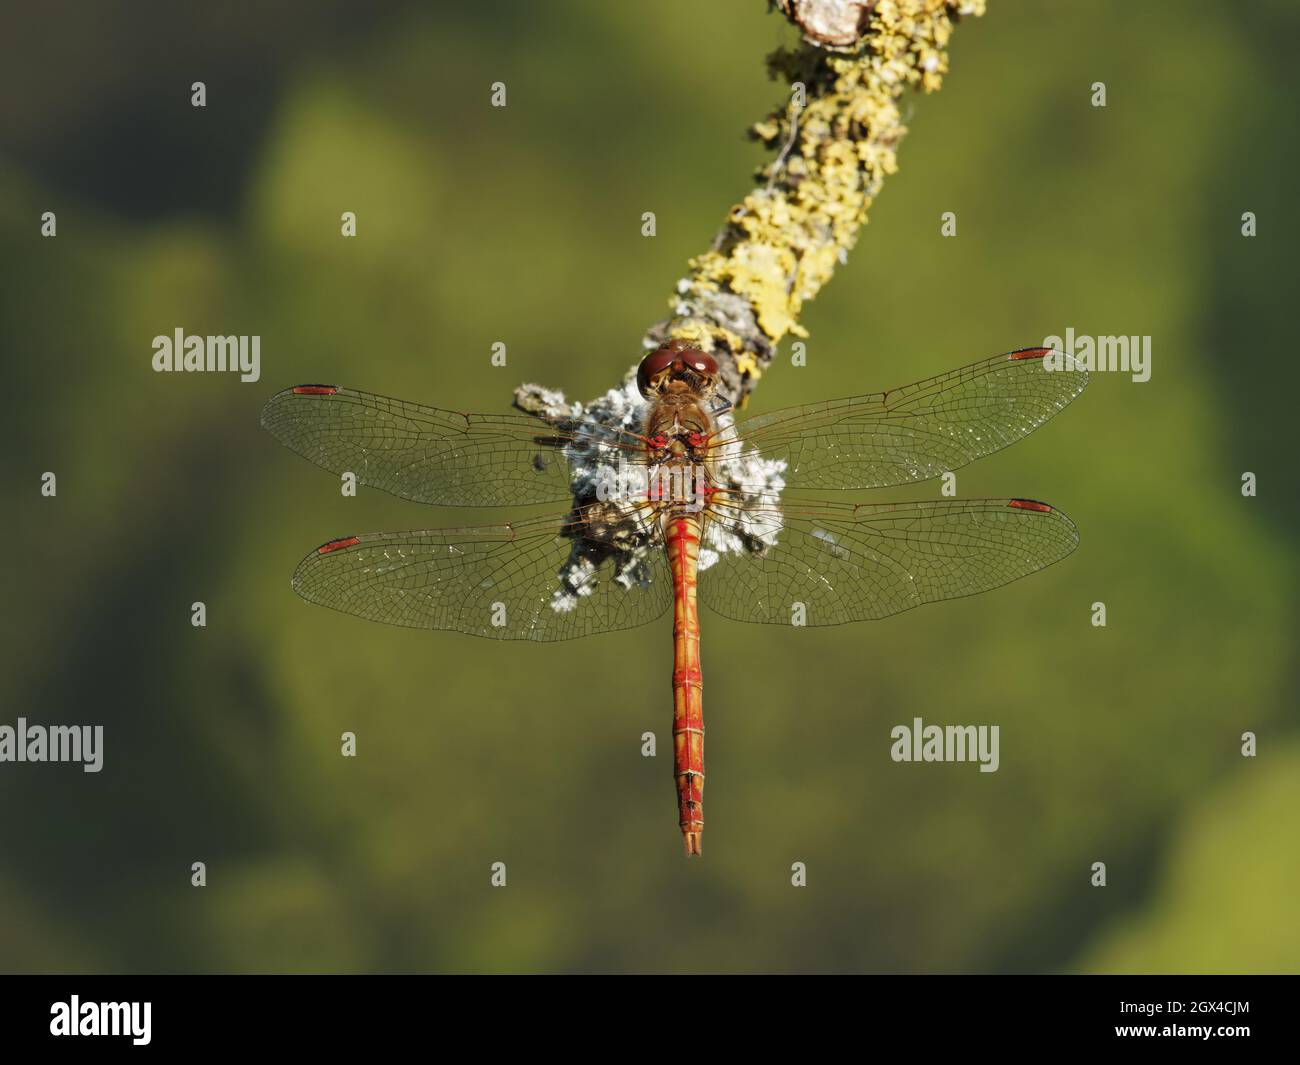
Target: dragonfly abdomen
pixel 682 536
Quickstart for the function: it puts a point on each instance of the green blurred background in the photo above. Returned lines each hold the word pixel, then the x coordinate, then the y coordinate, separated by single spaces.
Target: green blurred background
pixel 1119 744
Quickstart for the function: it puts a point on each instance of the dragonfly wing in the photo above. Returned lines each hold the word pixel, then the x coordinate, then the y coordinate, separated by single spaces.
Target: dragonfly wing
pixel 912 433
pixel 437 456
pixel 856 563
pixel 542 579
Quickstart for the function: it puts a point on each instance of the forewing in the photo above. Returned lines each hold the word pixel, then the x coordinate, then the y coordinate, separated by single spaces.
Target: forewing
pixel 436 456
pixel 912 433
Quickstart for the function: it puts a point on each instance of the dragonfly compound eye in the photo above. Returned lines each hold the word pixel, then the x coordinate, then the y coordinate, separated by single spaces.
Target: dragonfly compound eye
pixel 701 362
pixel 675 354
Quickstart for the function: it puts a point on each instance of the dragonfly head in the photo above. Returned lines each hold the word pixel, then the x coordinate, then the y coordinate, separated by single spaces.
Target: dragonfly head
pixel 676 361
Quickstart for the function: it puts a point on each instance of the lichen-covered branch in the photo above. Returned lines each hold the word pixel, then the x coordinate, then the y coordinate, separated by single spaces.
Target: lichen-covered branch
pixel 833 142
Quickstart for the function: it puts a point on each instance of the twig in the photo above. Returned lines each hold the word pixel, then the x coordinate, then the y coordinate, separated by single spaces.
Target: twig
pixel 781 244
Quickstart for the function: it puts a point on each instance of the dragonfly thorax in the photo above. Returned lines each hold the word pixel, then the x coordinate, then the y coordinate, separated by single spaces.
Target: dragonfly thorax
pixel 677 430
pixel 678 422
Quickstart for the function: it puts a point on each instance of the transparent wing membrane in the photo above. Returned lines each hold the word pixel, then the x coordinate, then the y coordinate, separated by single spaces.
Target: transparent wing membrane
pixel 552 578
pixel 603 566
pixel 915 432
pixel 843 562
pixel 435 456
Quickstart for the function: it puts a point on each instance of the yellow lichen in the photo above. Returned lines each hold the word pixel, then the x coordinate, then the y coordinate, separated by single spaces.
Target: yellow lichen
pixel 697 333
pixel 748 366
pixel 784 240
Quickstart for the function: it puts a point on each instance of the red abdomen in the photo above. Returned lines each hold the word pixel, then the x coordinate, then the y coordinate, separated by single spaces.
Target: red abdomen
pixel 682 534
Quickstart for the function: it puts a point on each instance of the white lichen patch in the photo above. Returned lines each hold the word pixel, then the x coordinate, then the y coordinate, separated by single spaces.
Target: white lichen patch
pixel 619 530
pixel 752 488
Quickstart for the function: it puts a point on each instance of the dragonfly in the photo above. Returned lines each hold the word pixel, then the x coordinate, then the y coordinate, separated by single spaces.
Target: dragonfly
pixel 670 502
